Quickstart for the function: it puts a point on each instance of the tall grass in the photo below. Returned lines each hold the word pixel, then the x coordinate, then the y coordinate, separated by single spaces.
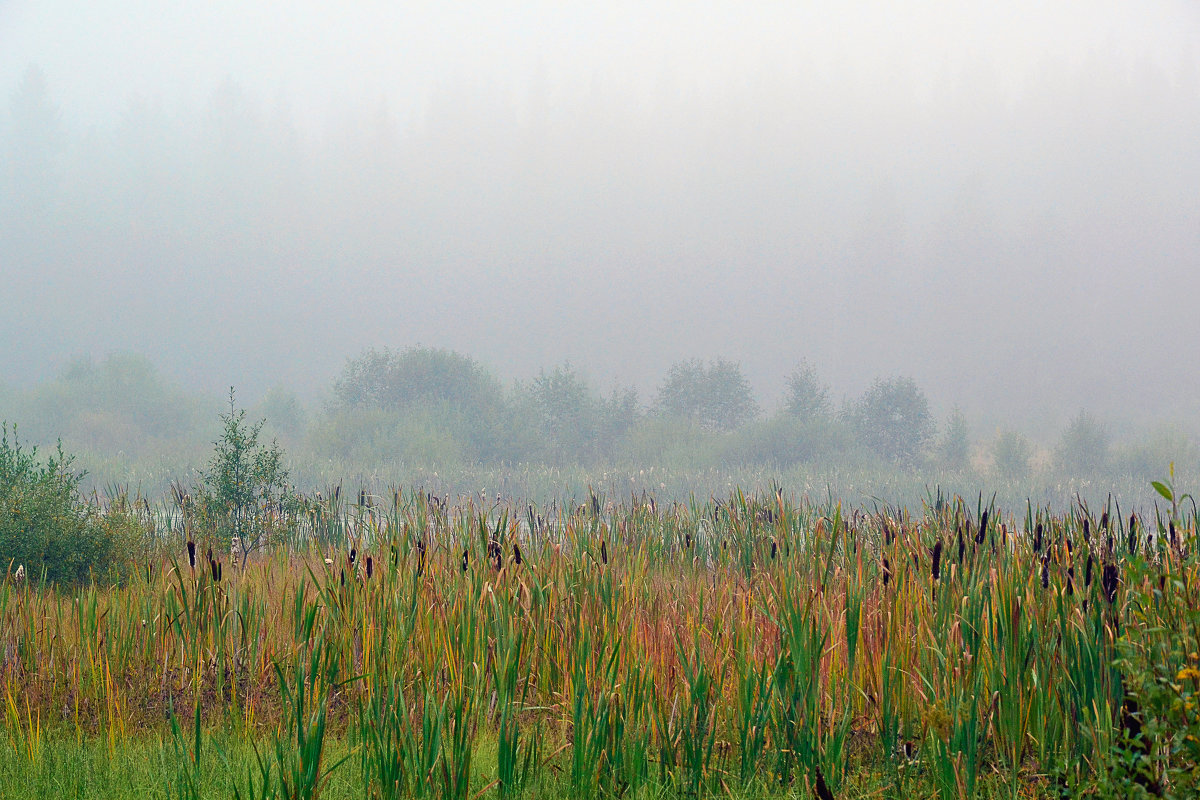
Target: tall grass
pixel 750 641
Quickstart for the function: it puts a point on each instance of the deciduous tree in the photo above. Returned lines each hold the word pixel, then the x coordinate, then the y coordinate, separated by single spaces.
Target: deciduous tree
pixel 893 419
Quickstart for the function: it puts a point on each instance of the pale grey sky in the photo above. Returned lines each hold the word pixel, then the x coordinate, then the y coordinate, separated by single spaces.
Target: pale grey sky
pixel 997 198
pixel 100 54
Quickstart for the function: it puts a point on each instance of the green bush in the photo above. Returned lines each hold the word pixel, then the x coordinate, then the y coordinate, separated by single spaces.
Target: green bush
pixel 45 525
pixel 376 438
pixel 245 495
pixel 807 399
pixel 398 391
pixel 785 440
pixel 893 419
pixel 1011 454
pixel 715 397
pixel 954 447
pixel 1157 747
pixel 1084 446
pixel 673 443
pixel 121 404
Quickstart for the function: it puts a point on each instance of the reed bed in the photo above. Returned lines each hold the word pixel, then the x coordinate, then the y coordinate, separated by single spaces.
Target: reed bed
pixel 742 645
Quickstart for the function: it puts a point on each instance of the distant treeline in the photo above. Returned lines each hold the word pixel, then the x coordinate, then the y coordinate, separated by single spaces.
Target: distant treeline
pixel 389 412
pixel 1030 221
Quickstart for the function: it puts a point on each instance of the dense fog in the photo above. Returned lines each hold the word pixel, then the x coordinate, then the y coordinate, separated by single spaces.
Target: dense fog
pixel 1000 203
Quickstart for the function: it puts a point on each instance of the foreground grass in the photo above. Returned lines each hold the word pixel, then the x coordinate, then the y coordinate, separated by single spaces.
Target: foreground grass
pixel 147 767
pixel 751 646
pixel 142 767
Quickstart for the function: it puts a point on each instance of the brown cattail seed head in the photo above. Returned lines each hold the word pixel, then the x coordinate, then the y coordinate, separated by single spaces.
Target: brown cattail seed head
pixel 936 568
pixel 983 521
pixel 191 548
pixel 1109 580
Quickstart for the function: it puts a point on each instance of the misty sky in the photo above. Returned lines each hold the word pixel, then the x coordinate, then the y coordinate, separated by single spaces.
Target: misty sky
pixel 998 199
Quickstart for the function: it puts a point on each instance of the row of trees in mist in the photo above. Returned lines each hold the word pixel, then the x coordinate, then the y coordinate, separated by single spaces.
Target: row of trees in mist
pixel 853 208
pixel 391 411
pixel 427 405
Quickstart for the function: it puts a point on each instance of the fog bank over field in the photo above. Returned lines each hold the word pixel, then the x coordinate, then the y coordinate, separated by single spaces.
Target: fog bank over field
pixel 1001 204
